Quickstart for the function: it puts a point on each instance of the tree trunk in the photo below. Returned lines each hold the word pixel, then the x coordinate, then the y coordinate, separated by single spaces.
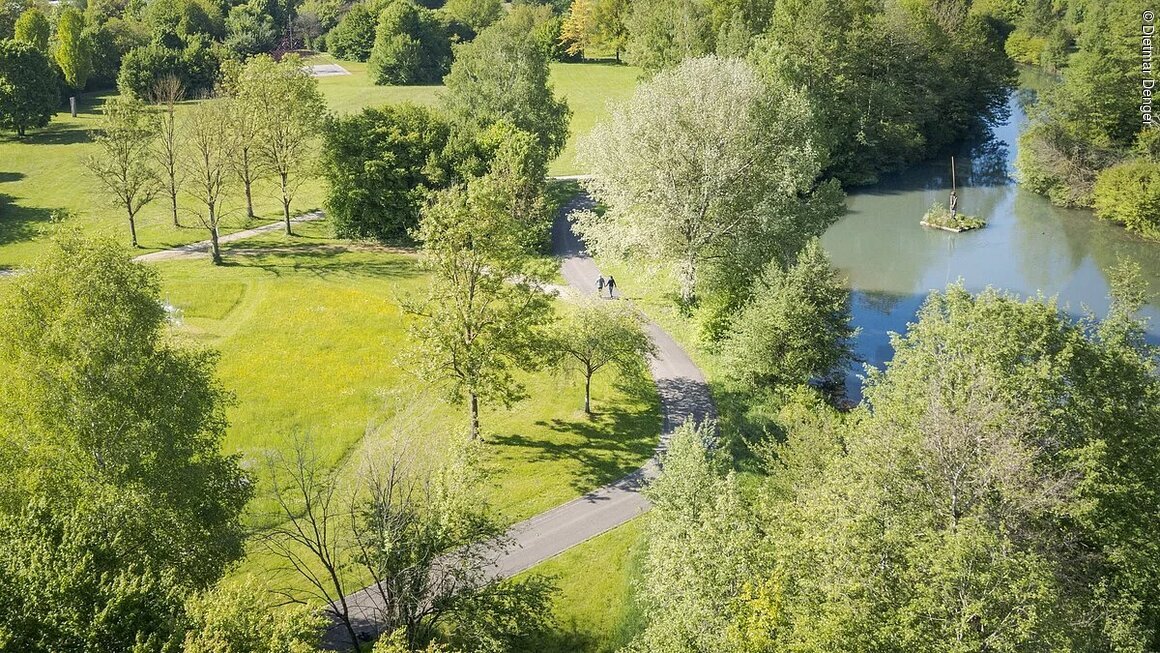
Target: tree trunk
pixel 689 281
pixel 286 206
pixel 215 248
pixel 132 228
pixel 249 196
pixel 473 408
pixel 588 393
pixel 173 204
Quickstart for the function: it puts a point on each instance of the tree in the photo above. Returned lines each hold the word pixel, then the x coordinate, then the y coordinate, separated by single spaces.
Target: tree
pixel 209 165
pixel 595 333
pixel 290 113
pixel 503 75
pixel 416 526
pixel 609 17
pixel 1129 194
pixel 237 619
pixel 379 165
pixel 412 45
pixel 33 28
pixel 251 29
pixel 699 162
pixel 74 51
pixel 119 427
pixel 124 165
pixel 579 28
pixel 795 328
pixel 662 34
pixel 28 93
pixel 483 314
pixel 167 93
pixel 476 14
pixel 354 36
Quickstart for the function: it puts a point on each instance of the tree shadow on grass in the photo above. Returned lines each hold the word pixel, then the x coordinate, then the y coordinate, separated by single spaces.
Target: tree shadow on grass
pixel 326 262
pixel 20 223
pixel 608 444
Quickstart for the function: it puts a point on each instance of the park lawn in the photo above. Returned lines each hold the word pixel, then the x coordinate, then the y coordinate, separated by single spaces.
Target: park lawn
pixel 45 174
pixel 595 605
pixel 310 329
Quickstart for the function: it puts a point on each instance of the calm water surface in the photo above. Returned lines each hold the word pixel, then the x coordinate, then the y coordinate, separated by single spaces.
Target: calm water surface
pixel 1027 247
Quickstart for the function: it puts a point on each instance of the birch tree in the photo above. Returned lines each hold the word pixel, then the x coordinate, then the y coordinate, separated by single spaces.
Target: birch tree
pixel 699 160
pixel 167 92
pixel 209 163
pixel 123 164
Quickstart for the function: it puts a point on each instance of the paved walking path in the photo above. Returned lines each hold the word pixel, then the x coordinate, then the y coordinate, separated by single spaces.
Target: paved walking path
pixel 684 395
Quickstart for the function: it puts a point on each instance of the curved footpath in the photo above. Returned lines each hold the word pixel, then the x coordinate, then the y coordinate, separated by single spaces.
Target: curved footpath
pixel 684 395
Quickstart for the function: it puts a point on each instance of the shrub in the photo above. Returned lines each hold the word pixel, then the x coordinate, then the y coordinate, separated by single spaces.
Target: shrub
pixel 1024 48
pixel 354 36
pixel 412 46
pixel 1129 194
pixel 196 67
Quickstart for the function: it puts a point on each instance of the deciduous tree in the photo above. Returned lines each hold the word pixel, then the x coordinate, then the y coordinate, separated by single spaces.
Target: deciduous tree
pixel 701 160
pixel 209 164
pixel 167 93
pixel 595 333
pixel 29 94
pixel 124 164
pixel 33 28
pixel 74 51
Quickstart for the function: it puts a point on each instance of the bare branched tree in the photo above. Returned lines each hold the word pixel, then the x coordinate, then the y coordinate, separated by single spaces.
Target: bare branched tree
pixel 208 164
pixel 167 92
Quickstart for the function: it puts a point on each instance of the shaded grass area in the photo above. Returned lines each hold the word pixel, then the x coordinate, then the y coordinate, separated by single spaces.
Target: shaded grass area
pixel 310 332
pixel 595 604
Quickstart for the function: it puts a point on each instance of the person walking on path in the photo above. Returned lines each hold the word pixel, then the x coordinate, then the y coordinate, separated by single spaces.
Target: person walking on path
pixel 611 286
pixel 599 285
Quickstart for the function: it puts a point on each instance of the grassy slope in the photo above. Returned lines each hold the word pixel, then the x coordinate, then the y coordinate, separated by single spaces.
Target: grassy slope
pixel 594 604
pixel 45 172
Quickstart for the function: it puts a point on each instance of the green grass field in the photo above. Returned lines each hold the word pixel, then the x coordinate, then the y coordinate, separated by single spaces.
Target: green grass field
pixel 594 605
pixel 44 174
pixel 310 332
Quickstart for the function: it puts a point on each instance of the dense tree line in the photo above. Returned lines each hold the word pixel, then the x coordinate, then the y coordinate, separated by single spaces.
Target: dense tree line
pixel 1089 144
pixel 995 491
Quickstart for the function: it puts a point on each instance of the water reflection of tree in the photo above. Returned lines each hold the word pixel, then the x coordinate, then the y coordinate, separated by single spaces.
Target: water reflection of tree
pixel 879 301
pixel 987 163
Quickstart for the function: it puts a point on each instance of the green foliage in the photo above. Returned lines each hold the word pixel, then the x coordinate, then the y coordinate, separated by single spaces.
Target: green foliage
pixel 939 215
pixel 74 50
pixel 33 28
pixel 795 328
pixel 29 94
pixel 594 333
pixel 379 165
pixel 412 46
pixel 196 67
pixel 124 167
pixel 662 33
pixel 876 116
pixel 997 489
pixel 94 393
pixel 182 23
pixel 476 14
pixel 353 37
pixel 238 619
pixel 1129 194
pixel 110 41
pixel 503 76
pixel 250 29
pixel 707 169
pixel 483 316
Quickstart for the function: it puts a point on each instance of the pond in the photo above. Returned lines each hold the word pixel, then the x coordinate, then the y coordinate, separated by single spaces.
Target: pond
pixel 1028 246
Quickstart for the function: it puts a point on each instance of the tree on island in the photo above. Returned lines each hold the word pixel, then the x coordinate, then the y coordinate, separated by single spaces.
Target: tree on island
pixel 595 333
pixel 29 94
pixel 124 164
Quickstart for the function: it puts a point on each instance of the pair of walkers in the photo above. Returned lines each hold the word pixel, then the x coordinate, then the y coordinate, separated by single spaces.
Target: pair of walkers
pixel 601 284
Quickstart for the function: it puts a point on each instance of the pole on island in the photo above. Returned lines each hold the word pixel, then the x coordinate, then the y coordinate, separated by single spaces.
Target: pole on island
pixel 953 174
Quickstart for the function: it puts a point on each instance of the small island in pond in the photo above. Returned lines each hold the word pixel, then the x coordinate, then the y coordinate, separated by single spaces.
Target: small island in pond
pixel 939 217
